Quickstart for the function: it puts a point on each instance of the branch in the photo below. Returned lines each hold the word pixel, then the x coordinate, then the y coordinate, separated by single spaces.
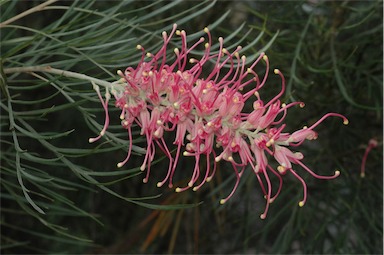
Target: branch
pixel 40 7
pixel 48 69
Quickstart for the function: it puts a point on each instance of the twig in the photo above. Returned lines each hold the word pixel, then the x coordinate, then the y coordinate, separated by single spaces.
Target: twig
pixel 48 69
pixel 37 8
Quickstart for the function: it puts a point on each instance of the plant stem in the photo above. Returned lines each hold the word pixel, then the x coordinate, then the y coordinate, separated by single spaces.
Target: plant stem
pixel 48 69
pixel 37 8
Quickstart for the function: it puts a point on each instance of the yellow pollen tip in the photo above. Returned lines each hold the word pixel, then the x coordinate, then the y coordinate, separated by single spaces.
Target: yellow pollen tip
pixel 206 45
pixel 176 50
pixel 230 158
pixel 139 47
pixel 195 188
pixel 120 73
pixel 362 175
pixel 301 203
pixel 224 50
pixel 148 55
pixel 276 71
pixel 346 122
pixel 206 30
pixel 270 142
pixel 337 173
pixel 120 164
pixel 222 201
pixel 263 216
pixel 217 159
pixel 178 190
pixel 186 153
pixel 243 58
pixel 178 32
pixel 265 57
pixel 281 169
pixel 164 33
pixel 236 54
pixel 159 184
pixel 283 105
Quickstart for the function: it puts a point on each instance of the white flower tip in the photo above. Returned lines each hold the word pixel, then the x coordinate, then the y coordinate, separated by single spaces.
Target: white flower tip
pixel 337 173
pixel 120 164
pixel 142 168
pixel 120 73
pixel 159 184
pixel 145 180
pixel 263 216
pixel 91 140
pixel 362 175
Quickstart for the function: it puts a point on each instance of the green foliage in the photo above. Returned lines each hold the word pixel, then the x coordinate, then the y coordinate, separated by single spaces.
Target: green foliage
pixel 60 194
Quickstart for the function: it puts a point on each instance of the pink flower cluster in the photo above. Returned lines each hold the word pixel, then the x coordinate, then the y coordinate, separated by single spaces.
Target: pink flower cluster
pixel 207 112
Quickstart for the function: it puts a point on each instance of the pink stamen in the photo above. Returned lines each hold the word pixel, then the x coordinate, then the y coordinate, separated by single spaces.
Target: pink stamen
pixel 371 144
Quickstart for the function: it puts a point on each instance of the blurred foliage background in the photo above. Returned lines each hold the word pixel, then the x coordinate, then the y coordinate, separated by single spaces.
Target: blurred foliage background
pixel 60 194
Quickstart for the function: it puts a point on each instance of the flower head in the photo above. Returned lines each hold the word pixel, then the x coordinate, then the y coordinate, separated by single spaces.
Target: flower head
pixel 207 112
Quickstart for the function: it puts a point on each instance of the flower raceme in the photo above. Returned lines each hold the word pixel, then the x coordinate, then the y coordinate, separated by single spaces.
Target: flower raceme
pixel 207 112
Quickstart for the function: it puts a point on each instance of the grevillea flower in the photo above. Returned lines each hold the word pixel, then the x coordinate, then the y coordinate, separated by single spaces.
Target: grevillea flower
pixel 205 112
